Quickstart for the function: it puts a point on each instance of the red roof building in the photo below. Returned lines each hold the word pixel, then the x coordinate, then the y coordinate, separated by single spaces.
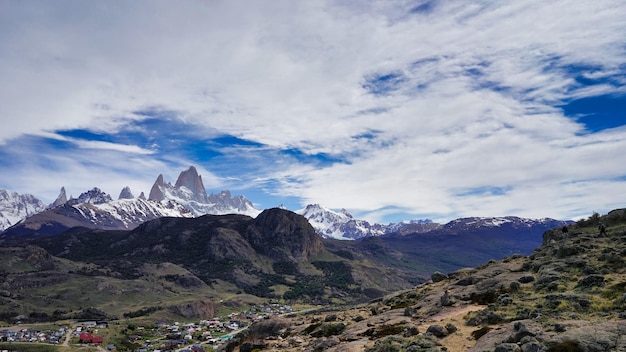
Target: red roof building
pixel 86 337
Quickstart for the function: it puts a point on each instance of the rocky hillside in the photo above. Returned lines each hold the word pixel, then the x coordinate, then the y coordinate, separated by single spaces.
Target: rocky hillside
pixel 567 295
pixel 232 259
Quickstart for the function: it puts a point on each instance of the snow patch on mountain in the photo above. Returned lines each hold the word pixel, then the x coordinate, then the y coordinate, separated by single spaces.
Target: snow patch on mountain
pixel 15 207
pixel 342 225
pixel 190 192
pixel 130 212
pixel 339 225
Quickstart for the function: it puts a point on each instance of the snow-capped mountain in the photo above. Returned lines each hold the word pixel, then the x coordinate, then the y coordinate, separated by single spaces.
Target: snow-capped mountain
pixel 511 222
pixel 188 198
pixel 94 196
pixel 340 225
pixel 15 207
pixel 97 209
pixel 189 191
pixel 125 213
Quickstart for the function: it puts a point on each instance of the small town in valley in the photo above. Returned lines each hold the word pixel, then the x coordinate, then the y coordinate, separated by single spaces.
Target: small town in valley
pixel 124 335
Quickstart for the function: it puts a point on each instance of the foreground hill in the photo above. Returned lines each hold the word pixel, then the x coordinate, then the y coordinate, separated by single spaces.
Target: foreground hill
pixel 568 295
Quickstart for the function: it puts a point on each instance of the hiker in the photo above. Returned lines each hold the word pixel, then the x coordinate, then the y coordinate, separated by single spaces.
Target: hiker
pixel 602 229
pixel 565 230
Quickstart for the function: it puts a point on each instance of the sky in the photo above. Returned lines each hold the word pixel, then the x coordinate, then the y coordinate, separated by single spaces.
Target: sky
pixel 391 109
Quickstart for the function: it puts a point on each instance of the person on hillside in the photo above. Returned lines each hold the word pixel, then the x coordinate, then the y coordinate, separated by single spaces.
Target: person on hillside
pixel 602 229
pixel 564 230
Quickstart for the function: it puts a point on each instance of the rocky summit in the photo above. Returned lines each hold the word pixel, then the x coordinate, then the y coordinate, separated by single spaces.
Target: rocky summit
pixel 568 295
pixel 193 182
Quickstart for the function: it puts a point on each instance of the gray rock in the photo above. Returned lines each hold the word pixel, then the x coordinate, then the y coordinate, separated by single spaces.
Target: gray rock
pixel 519 335
pixel 607 336
pixel 526 279
pixel 410 330
pixel 447 300
pixel 438 276
pixel 437 331
pixel 531 347
pixel 325 343
pixel 507 347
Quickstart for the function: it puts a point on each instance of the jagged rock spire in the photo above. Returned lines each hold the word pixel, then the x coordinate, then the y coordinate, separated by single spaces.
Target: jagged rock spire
pixel 93 196
pixel 126 193
pixel 61 199
pixel 192 181
pixel 156 193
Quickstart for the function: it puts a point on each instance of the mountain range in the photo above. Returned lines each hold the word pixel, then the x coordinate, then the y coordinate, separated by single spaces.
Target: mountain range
pixel 98 210
pixel 25 214
pixel 169 261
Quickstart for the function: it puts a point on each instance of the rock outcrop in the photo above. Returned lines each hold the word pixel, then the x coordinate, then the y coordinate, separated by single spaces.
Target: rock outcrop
pixel 281 234
pixel 156 192
pixel 61 199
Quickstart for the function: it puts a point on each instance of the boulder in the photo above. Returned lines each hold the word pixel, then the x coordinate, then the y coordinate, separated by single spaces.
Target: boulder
pixel 438 276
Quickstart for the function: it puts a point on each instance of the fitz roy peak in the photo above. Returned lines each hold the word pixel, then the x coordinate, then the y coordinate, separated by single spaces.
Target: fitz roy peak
pixel 187 198
pixel 189 191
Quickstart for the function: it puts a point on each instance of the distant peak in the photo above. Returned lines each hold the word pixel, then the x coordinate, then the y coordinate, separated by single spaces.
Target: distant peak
pixel 159 180
pixel 93 196
pixel 126 193
pixel 156 192
pixel 193 182
pixel 61 199
pixel 345 212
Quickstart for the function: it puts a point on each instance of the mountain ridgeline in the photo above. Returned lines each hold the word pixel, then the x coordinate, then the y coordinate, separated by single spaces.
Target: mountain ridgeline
pixel 235 259
pixel 98 210
pixel 24 215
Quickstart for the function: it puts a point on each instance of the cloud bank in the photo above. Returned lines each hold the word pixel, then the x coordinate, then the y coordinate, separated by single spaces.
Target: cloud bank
pixel 390 109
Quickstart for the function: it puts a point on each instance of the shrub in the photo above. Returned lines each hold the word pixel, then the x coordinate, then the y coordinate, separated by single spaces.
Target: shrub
pixel 476 334
pixel 384 330
pixel 327 330
pixel 566 346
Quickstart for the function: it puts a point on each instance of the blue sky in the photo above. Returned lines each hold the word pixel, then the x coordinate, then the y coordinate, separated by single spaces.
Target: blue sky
pixel 393 110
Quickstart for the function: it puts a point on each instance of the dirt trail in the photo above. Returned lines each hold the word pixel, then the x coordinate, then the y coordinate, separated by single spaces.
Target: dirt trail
pixel 68 335
pixel 461 340
pixel 452 312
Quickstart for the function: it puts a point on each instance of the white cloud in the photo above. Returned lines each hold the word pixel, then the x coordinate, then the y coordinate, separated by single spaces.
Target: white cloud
pixel 477 104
